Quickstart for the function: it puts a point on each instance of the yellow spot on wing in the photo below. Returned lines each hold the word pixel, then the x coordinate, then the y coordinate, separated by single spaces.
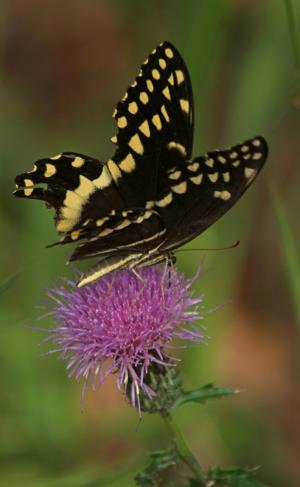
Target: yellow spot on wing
pixel 133 108
pixel 50 170
pixel 28 191
pixel 150 85
pixel 166 93
pixel 224 195
pixel 34 168
pixel 156 121
pixel 56 157
pixel 144 97
pixel 171 79
pixel 213 177
pixel 155 74
pixel 233 155
pixel 244 148
pixel 165 113
pixel 128 164
pixel 78 162
pixel 256 142
pixel 144 128
pixel 257 155
pixel 100 221
pixel 196 179
pixel 164 201
pixel 175 175
pixel 222 159
pixel 169 53
pixel 179 76
pixel 249 172
pixel 122 122
pixel 180 188
pixel 194 167
pixel 114 139
pixel 162 63
pixel 209 162
pixel 184 105
pixel 136 144
pixel 226 177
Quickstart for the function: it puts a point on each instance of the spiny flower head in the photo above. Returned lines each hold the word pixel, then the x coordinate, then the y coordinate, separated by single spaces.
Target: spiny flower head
pixel 122 324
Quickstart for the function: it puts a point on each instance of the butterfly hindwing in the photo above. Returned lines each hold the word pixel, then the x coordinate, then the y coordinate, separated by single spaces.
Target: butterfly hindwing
pixel 79 187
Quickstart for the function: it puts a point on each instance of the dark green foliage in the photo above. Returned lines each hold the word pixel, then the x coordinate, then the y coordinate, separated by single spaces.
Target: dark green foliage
pixel 233 477
pixel 160 460
pixel 203 394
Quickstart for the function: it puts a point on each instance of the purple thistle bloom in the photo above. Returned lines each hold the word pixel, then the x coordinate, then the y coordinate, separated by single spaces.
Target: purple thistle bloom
pixel 122 324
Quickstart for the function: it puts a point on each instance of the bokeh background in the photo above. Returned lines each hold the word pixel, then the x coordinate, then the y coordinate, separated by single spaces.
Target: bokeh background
pixel 63 67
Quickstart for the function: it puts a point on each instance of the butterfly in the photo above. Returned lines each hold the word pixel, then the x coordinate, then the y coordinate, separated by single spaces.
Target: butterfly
pixel 151 197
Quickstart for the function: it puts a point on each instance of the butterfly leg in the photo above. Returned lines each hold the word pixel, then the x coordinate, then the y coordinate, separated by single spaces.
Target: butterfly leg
pixel 135 272
pixel 171 261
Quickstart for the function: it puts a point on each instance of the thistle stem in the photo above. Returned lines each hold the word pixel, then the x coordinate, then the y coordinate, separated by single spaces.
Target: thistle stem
pixel 183 449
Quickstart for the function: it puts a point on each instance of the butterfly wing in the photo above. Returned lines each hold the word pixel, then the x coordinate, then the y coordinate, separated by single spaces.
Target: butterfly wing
pixel 155 126
pixel 208 188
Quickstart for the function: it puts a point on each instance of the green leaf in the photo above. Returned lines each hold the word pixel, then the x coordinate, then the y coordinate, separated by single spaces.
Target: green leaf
pixel 294 29
pixel 160 460
pixel 203 394
pixel 290 252
pixel 9 281
pixel 194 483
pixel 233 477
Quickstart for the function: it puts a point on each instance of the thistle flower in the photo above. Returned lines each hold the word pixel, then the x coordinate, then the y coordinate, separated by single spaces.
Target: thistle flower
pixel 123 324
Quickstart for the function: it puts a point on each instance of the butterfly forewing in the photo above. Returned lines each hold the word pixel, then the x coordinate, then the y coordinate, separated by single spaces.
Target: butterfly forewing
pixel 208 187
pixel 155 125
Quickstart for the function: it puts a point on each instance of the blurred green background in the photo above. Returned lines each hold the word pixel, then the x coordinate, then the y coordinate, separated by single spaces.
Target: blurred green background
pixel 63 67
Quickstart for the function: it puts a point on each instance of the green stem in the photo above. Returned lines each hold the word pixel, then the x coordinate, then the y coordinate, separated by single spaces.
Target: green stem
pixel 183 449
pixel 294 30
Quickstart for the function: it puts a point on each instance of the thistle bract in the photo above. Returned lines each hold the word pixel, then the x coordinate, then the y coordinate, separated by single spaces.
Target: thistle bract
pixel 124 323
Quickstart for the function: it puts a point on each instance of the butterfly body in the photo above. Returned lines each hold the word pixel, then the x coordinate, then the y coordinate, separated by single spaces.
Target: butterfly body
pixel 151 197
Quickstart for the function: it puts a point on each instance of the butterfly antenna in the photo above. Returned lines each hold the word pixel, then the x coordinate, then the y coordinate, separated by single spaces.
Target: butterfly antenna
pixel 233 246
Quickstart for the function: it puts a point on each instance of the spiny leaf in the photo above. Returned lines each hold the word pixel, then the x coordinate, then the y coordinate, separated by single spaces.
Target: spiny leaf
pixel 233 477
pixel 203 394
pixel 160 460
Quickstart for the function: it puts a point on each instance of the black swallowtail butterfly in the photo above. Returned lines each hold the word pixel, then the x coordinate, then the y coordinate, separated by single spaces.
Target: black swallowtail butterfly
pixel 151 197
